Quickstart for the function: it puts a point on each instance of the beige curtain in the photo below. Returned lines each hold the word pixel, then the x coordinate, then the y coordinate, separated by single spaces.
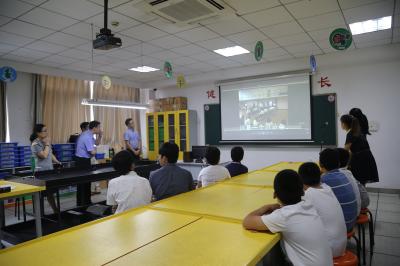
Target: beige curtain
pixel 62 109
pixel 2 111
pixel 113 119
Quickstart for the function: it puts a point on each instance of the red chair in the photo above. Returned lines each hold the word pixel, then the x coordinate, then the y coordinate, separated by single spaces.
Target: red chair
pixel 362 220
pixel 352 234
pixel 348 259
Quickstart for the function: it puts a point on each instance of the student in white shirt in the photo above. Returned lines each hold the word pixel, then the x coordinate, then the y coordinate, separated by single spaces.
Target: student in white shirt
pixel 361 192
pixel 128 190
pixel 214 172
pixel 303 236
pixel 327 206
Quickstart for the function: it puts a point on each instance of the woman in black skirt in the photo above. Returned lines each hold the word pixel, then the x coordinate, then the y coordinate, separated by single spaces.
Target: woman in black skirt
pixel 362 162
pixel 362 119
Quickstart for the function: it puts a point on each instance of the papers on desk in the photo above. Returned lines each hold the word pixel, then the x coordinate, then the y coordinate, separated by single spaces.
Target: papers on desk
pixel 7 185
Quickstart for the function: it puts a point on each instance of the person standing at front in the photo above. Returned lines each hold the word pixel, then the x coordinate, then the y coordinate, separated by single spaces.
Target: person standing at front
pixel 132 139
pixel 85 150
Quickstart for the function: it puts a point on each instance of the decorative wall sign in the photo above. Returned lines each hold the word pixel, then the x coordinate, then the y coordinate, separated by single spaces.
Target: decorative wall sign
pixel 340 39
pixel 8 74
pixel 331 98
pixel 106 82
pixel 168 69
pixel 313 64
pixel 259 50
pixel 324 82
pixel 180 81
pixel 211 94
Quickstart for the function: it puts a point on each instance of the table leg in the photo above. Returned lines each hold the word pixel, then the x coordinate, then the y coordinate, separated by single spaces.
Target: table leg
pixel 2 215
pixel 38 216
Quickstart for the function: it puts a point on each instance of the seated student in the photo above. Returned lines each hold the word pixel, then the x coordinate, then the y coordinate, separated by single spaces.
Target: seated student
pixel 329 162
pixel 361 193
pixel 214 172
pixel 327 206
pixel 128 190
pixel 304 240
pixel 236 167
pixel 170 179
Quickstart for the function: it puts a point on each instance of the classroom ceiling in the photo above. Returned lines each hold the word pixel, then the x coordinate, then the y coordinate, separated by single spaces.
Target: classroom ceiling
pixel 57 33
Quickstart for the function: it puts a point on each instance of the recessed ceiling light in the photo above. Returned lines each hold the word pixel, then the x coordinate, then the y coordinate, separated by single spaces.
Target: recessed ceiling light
pixel 231 51
pixel 144 69
pixel 371 25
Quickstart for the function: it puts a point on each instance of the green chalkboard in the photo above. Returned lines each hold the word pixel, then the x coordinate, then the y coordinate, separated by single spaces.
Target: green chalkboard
pixel 324 125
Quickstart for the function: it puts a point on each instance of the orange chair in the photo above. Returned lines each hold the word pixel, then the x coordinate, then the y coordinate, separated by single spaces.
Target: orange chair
pixel 348 259
pixel 371 224
pixel 352 234
pixel 362 220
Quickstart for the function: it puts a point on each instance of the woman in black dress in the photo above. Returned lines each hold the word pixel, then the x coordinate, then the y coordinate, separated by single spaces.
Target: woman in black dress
pixel 362 119
pixel 362 162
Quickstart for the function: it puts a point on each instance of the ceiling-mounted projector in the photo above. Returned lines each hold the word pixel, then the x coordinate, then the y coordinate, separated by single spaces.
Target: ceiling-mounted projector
pixel 105 40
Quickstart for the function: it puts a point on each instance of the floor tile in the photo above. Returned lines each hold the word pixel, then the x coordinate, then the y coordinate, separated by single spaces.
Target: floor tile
pixel 389 198
pixel 387 229
pixel 385 260
pixel 391 207
pixel 385 245
pixel 386 216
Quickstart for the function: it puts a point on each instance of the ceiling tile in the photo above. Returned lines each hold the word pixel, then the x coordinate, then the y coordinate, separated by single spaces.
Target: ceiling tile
pixel 47 19
pixel 62 60
pixel 124 21
pixel 267 43
pixel 65 39
pixel 269 17
pixel 323 21
pixel 87 47
pixel 18 58
pixel 6 47
pixel 283 29
pixel 216 43
pixel 34 2
pixel 170 27
pixel 346 4
pixel 127 41
pixel 293 39
pixel 378 42
pixel 26 29
pixel 111 3
pixel 205 57
pixel 189 50
pixel 82 30
pixel 48 64
pixel 244 59
pixel 306 8
pixel 46 47
pixel 29 53
pixel 274 52
pixel 13 39
pixel 14 8
pixel 169 42
pixel 307 53
pixel 145 49
pixel 128 64
pixel 243 7
pixel 77 9
pixel 230 26
pixel 224 63
pixel 201 66
pixel 279 58
pixel 182 61
pixel 75 53
pixel 197 34
pixel 372 36
pixel 305 47
pixel 323 34
pixel 122 54
pixel 376 10
pixel 103 59
pixel 134 11
pixel 246 37
pixel 144 33
pixel 165 55
pixel 4 20
pixel 289 1
pixel 397 10
pixel 396 22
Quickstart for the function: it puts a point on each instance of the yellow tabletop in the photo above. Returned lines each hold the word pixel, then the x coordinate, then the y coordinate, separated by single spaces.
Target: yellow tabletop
pixel 255 178
pixel 220 200
pixel 283 165
pixel 204 242
pixel 19 189
pixel 97 242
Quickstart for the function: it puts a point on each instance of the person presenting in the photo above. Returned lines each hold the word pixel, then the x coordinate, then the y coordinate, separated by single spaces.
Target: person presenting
pixel 132 139
pixel 85 150
pixel 74 137
pixel 44 157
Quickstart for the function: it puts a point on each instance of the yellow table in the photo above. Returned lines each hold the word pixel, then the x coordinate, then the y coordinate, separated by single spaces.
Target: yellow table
pixel 255 178
pixel 21 190
pixel 283 165
pixel 97 242
pixel 220 200
pixel 204 242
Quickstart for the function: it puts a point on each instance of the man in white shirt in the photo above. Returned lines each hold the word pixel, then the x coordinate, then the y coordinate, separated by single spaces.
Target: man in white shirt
pixel 128 190
pixel 327 206
pixel 214 172
pixel 303 237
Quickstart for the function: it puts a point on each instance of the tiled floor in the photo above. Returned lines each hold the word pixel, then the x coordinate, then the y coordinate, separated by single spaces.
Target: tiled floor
pixel 384 207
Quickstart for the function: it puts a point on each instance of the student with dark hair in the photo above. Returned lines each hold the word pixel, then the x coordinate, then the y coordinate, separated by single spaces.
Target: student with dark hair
pixel 128 190
pixel 363 120
pixel 214 172
pixel 325 202
pixel 359 189
pixel 362 163
pixel 293 218
pixel 236 167
pixel 74 138
pixel 340 185
pixel 170 179
pixel 85 150
pixel 132 139
pixel 44 157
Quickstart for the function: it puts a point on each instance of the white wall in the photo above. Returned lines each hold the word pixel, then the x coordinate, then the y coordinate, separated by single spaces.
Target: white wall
pixel 19 108
pixel 366 78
